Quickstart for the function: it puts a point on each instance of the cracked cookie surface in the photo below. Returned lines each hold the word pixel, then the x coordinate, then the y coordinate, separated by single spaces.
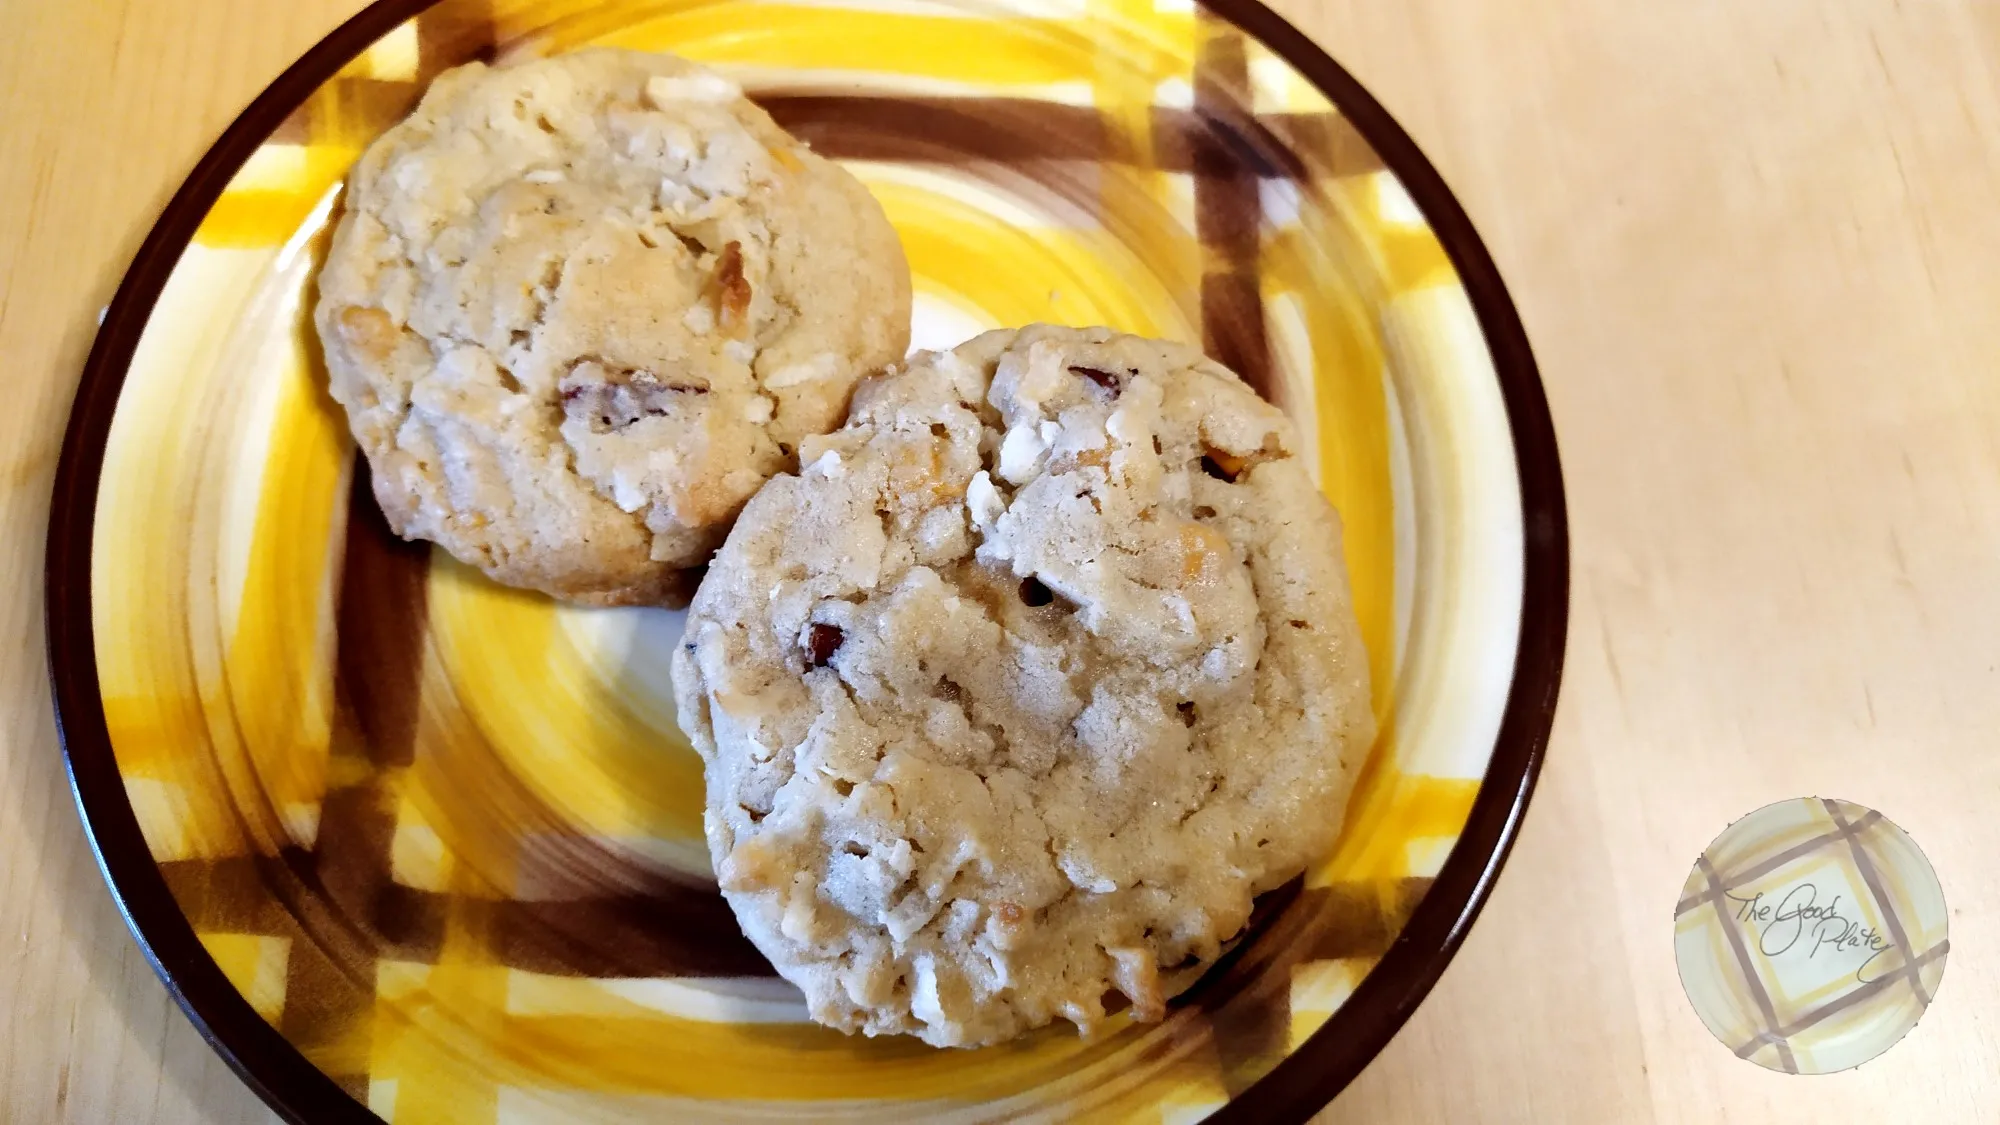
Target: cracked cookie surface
pixel 578 309
pixel 1014 697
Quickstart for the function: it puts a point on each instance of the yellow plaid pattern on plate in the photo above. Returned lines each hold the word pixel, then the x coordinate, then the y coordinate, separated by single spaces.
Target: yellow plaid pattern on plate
pixel 446 836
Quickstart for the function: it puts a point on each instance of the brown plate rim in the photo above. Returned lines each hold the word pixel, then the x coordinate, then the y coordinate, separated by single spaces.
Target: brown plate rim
pixel 1301 1084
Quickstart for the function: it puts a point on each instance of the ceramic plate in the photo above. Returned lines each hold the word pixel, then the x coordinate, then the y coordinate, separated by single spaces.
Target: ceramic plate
pixel 408 844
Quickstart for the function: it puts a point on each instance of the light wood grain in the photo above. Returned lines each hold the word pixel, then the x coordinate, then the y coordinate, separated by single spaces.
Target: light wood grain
pixel 1755 246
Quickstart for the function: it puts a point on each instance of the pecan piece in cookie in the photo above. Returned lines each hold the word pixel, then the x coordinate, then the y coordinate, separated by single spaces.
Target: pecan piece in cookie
pixel 612 399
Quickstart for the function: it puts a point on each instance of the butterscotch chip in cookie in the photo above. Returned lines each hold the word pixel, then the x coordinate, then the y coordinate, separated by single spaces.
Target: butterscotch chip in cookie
pixel 1015 696
pixel 579 308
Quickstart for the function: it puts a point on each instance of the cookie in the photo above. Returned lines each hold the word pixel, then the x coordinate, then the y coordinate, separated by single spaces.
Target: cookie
pixel 580 308
pixel 1018 692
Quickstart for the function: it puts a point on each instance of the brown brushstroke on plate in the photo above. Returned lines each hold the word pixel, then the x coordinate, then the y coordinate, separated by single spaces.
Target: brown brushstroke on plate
pixel 228 895
pixel 450 35
pixel 1228 207
pixel 1326 143
pixel 352 100
pixel 378 673
pixel 627 937
pixel 379 660
pixel 1221 133
pixel 296 128
pixel 938 130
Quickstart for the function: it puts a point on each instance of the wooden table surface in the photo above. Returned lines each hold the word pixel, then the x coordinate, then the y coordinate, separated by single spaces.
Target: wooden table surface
pixel 1757 246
